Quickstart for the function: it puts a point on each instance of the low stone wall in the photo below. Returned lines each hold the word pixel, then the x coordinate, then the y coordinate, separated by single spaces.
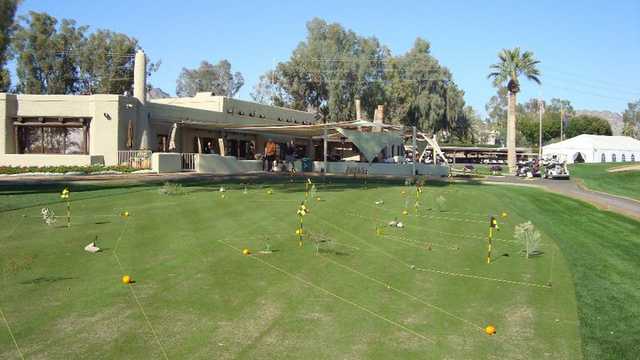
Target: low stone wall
pixel 225 165
pixel 380 168
pixel 25 160
pixel 166 162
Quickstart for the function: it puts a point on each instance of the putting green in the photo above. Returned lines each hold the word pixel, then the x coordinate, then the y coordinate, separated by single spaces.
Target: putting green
pixel 421 291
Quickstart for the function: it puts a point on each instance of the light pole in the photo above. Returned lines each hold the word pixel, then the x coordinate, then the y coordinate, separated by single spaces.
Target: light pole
pixel 540 110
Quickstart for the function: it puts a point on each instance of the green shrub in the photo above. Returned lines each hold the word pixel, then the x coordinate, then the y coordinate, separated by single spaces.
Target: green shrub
pixel 171 189
pixel 9 170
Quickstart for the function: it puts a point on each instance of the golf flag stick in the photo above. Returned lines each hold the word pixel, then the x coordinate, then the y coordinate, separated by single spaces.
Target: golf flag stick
pixel 492 225
pixel 300 233
pixel 65 196
pixel 302 211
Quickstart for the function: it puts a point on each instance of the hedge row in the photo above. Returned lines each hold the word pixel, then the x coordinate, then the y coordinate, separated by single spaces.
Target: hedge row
pixel 63 169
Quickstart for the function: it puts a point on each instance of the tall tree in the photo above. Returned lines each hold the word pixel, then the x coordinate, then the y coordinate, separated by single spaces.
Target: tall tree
pixel 334 66
pixel 47 54
pixel 586 124
pixel 7 15
pixel 106 63
pixel 328 71
pixel 512 64
pixel 631 120
pixel 421 92
pixel 208 77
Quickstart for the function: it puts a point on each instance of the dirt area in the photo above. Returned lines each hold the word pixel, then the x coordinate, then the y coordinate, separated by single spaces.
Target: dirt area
pixel 625 168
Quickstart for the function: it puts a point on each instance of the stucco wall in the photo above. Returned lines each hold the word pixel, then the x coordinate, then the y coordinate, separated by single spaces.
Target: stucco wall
pixel 166 162
pixel 382 168
pixel 24 160
pixel 225 165
pixel 236 106
pixel 6 128
pixel 107 132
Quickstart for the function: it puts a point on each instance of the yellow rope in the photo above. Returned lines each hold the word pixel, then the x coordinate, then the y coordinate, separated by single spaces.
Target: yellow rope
pixel 514 282
pixel 405 293
pixel 133 293
pixel 11 334
pixel 308 283
pixel 435 270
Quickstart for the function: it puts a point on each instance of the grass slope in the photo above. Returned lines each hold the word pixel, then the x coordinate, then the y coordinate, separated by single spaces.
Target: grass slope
pixel 596 177
pixel 196 296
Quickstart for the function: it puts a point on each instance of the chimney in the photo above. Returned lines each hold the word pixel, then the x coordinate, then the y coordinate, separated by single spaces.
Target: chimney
pixel 358 110
pixel 140 77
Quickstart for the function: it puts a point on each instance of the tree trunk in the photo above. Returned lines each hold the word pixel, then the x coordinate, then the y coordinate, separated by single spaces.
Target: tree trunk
pixel 511 133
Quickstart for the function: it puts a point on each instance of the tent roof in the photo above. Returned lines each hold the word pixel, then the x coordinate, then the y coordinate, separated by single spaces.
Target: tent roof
pixel 597 142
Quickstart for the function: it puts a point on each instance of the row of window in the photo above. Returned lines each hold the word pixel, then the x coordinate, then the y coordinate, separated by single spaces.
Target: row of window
pixel 52 140
pixel 614 158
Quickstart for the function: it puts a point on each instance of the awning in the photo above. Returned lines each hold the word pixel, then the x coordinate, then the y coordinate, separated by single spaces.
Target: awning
pixel 371 143
pixel 312 130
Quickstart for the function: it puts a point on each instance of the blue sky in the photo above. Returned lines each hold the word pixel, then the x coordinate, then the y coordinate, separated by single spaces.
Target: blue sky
pixel 590 50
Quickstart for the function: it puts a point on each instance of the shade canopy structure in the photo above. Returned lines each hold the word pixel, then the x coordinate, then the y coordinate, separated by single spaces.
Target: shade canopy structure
pixel 306 131
pixel 371 144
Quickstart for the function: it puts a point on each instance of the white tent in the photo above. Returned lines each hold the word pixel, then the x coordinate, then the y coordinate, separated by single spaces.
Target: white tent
pixel 596 148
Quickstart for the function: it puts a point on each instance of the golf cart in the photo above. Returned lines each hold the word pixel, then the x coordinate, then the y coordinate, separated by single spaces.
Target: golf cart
pixel 529 168
pixel 555 168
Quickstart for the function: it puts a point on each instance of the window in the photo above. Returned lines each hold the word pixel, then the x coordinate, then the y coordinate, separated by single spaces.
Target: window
pixel 633 158
pixel 613 157
pixel 603 158
pixel 624 158
pixel 51 137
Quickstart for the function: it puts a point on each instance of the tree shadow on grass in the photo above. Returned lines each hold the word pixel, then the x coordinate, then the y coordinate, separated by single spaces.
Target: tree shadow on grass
pixel 45 280
pixel 285 184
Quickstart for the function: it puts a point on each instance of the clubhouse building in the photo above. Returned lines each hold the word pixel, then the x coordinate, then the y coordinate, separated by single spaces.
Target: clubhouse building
pixel 204 133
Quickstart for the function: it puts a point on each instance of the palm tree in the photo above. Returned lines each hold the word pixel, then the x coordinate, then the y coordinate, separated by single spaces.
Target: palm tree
pixel 512 65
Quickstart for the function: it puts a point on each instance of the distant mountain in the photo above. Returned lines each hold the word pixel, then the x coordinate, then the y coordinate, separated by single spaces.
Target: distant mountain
pixel 614 119
pixel 157 93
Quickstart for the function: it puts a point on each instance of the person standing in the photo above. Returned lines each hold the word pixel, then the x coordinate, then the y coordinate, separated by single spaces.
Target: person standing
pixel 290 154
pixel 270 153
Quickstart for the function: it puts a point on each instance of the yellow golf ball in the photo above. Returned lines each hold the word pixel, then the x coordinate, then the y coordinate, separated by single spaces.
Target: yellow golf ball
pixel 504 214
pixel 405 212
pixel 246 252
pixel 490 330
pixel 126 279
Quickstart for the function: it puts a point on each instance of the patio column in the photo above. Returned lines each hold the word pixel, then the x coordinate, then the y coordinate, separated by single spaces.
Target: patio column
pixel 311 154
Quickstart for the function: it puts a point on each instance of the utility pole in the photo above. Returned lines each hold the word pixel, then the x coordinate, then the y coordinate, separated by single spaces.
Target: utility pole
pixel 540 106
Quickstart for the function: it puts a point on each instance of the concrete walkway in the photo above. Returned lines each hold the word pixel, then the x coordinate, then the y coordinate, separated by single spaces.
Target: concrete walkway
pixel 573 189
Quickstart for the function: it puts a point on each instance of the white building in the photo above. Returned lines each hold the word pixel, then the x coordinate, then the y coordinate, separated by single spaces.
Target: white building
pixel 596 148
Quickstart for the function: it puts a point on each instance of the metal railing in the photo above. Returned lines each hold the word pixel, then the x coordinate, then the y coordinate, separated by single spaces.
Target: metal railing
pixel 137 159
pixel 189 161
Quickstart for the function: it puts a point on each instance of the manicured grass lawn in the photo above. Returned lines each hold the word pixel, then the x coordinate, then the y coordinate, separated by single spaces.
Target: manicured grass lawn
pixel 596 177
pixel 423 291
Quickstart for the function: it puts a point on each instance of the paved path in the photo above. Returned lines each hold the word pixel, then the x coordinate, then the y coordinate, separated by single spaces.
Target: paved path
pixel 571 188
